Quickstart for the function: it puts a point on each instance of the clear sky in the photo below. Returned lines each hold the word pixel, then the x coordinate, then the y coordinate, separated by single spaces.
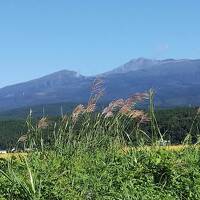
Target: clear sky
pixel 38 37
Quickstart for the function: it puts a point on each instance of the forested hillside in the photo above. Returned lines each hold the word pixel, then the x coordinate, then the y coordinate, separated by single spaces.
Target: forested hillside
pixel 175 123
pixel 10 130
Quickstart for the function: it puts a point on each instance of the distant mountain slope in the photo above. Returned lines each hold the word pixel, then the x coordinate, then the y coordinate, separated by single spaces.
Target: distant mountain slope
pixel 61 86
pixel 176 82
pixel 143 63
pixel 38 111
pixel 56 109
pixel 134 65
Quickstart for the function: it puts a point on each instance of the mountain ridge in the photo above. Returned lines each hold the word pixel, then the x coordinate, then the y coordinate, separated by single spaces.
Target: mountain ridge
pixel 176 82
pixel 142 63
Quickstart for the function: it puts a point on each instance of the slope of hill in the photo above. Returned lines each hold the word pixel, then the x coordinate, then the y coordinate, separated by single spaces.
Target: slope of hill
pixel 176 82
pixel 61 86
pixel 56 109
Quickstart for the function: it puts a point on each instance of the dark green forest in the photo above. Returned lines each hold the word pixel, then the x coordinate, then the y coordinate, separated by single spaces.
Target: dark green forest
pixel 174 124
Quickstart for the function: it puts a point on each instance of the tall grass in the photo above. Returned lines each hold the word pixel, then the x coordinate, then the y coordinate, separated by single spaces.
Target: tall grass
pixel 104 155
pixel 120 120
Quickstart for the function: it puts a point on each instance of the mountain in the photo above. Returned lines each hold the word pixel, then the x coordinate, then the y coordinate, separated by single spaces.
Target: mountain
pixel 134 65
pixel 56 109
pixel 61 86
pixel 176 83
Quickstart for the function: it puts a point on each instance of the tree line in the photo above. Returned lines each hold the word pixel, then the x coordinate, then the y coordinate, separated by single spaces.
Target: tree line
pixel 174 124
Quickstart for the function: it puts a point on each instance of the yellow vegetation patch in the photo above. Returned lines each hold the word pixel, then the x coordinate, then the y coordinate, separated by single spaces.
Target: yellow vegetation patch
pixel 175 147
pixel 167 148
pixel 10 155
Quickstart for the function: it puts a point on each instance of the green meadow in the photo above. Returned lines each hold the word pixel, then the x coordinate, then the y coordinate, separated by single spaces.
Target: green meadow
pixel 119 153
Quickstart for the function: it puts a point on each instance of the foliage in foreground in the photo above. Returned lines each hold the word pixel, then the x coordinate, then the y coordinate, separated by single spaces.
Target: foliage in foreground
pixel 101 156
pixel 175 123
pixel 103 173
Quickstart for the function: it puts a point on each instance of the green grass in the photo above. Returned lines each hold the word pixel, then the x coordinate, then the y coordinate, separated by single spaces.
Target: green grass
pixel 103 174
pixel 89 156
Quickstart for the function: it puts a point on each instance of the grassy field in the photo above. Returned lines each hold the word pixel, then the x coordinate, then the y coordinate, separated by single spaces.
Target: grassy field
pixel 12 155
pixel 124 149
pixel 103 173
pixel 101 156
pixel 166 148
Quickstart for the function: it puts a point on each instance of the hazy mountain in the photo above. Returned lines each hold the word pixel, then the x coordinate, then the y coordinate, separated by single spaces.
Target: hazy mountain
pixel 176 82
pixel 39 111
pixel 61 86
pixel 134 65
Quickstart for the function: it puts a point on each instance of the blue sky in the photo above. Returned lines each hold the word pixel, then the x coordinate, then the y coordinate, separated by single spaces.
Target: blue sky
pixel 38 37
